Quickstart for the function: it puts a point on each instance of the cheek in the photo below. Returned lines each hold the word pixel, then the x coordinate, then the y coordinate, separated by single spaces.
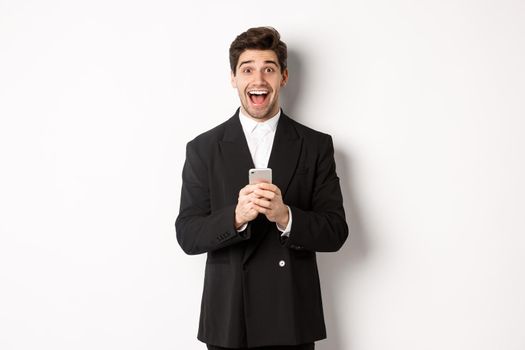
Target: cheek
pixel 239 84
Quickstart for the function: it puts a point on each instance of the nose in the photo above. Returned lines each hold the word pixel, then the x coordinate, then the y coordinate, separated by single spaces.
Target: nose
pixel 258 77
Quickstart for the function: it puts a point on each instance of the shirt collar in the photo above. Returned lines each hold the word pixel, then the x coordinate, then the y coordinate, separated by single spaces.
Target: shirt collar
pixel 249 125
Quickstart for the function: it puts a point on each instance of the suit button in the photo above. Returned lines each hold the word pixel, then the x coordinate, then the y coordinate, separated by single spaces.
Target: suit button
pixel 282 263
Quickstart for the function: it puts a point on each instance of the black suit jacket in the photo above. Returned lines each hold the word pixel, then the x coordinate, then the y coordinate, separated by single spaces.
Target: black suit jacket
pixel 260 289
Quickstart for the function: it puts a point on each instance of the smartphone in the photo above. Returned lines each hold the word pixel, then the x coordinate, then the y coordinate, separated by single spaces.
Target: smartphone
pixel 260 175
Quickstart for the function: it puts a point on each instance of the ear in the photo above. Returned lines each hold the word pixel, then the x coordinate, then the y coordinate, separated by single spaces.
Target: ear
pixel 233 79
pixel 284 77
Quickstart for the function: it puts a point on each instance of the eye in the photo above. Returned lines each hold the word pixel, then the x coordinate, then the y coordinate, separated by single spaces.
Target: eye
pixel 269 70
pixel 247 70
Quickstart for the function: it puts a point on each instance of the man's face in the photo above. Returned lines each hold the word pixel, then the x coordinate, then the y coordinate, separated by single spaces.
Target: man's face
pixel 258 81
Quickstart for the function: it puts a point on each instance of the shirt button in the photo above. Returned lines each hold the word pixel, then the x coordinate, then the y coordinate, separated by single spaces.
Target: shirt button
pixel 282 263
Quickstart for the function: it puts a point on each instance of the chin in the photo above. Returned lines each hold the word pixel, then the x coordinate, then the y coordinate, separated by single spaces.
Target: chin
pixel 259 115
pixel 265 113
pixel 256 113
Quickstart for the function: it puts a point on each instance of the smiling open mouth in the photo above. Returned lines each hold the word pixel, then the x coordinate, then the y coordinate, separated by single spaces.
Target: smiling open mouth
pixel 258 97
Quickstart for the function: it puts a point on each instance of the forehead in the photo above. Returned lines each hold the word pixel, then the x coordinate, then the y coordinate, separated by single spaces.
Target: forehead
pixel 257 56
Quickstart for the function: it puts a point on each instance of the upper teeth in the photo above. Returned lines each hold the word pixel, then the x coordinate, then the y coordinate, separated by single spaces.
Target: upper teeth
pixel 258 92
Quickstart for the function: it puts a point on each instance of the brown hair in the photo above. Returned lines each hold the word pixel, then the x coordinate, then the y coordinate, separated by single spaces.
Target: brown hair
pixel 260 38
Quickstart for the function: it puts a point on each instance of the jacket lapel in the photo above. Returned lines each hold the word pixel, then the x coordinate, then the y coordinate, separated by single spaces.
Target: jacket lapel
pixel 285 153
pixel 235 158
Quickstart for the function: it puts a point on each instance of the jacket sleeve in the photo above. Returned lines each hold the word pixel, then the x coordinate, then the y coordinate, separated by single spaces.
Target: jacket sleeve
pixel 323 228
pixel 199 229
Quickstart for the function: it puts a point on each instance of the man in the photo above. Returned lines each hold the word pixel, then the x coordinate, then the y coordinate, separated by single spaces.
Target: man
pixel 261 285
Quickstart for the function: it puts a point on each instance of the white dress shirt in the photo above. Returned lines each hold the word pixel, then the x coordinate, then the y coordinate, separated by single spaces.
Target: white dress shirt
pixel 259 136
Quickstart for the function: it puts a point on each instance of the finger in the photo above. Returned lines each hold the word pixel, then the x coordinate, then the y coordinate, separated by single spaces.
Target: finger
pixel 243 200
pixel 260 209
pixel 248 205
pixel 252 196
pixel 263 203
pixel 246 190
pixel 269 187
pixel 244 203
pixel 243 192
pixel 266 194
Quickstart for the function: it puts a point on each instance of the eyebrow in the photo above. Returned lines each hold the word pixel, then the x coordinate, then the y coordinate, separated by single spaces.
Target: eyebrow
pixel 252 61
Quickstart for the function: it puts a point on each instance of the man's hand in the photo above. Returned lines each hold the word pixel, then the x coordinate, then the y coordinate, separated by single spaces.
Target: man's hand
pixel 245 211
pixel 261 198
pixel 268 201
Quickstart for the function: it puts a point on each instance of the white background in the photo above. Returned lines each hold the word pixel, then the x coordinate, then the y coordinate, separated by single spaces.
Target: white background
pixel 424 99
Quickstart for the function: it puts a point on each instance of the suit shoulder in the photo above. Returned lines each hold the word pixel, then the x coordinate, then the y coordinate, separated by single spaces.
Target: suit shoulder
pixel 210 137
pixel 214 133
pixel 307 132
